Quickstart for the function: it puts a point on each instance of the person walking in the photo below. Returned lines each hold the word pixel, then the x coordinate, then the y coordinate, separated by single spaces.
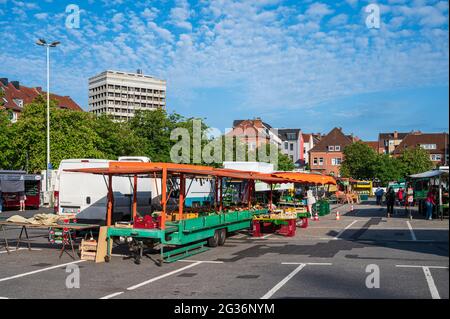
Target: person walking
pixel 310 201
pixel 390 201
pixel 430 202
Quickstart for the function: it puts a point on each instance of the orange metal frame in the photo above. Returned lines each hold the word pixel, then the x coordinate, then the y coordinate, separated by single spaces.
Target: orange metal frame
pixel 166 170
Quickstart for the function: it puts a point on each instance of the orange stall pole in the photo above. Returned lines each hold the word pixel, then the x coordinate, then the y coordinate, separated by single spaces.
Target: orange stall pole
pixel 135 197
pixel 182 191
pixel 250 190
pixel 270 197
pixel 110 202
pixel 163 198
pixel 221 194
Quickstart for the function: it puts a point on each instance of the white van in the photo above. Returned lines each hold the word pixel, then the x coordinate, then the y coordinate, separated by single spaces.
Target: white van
pixel 86 194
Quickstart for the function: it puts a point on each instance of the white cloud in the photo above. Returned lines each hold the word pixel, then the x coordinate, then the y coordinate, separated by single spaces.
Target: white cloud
pixel 41 16
pixel 180 15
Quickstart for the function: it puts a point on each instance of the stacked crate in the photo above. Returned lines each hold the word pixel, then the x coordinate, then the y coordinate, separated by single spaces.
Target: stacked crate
pixel 88 249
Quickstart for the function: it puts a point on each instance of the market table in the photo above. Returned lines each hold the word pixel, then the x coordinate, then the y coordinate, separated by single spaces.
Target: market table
pixel 67 231
pixel 288 225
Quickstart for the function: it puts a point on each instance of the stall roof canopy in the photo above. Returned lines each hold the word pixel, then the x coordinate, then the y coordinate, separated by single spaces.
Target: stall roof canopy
pixel 135 168
pixel 429 174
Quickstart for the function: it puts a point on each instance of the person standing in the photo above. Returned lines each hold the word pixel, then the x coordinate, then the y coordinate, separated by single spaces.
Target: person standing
pixel 22 198
pixel 390 201
pixel 401 197
pixel 430 202
pixel 310 200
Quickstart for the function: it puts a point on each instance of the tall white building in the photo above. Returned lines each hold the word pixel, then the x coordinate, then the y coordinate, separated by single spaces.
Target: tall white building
pixel 120 94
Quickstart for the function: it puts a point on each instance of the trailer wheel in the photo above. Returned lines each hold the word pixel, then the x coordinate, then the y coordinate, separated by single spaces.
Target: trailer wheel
pixel 214 241
pixel 222 237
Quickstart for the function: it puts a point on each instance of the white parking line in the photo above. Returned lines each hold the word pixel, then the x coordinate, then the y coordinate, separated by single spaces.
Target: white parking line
pixel 201 261
pixel 21 248
pixel 272 291
pixel 426 270
pixel 40 270
pixel 433 290
pixel 418 266
pixel 347 227
pixel 316 264
pixel 164 276
pixel 262 237
pixel 112 295
pixel 413 236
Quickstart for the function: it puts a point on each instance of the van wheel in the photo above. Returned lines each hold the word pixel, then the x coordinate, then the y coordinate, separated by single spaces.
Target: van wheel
pixel 214 241
pixel 222 237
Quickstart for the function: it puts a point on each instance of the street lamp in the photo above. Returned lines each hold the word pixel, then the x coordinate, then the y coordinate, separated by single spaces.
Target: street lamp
pixel 44 43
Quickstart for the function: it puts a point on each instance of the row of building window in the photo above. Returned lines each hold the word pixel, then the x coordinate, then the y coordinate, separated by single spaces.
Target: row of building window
pixel 334 148
pixel 320 161
pixel 126 88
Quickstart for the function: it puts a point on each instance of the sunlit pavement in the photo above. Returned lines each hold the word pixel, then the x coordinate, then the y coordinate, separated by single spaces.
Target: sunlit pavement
pixel 330 259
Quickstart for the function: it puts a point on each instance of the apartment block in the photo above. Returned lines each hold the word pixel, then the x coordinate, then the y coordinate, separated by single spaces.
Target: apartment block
pixel 327 155
pixel 121 94
pixel 293 145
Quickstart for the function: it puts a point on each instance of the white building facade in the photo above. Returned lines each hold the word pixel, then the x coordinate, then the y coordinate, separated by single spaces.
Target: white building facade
pixel 121 94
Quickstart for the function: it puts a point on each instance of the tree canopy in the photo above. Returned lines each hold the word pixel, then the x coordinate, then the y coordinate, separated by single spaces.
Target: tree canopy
pixel 85 135
pixel 362 162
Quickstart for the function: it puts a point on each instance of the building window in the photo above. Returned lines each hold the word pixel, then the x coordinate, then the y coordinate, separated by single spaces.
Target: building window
pixel 435 157
pixel 428 146
pixel 336 161
pixel 320 160
pixel 337 148
pixel 291 146
pixel 315 161
pixel 330 148
pixel 286 145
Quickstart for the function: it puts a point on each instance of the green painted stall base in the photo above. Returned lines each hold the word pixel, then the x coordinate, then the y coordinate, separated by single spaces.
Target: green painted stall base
pixel 183 252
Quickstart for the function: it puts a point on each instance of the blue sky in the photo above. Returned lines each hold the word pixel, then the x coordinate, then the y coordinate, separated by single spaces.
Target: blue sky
pixel 306 64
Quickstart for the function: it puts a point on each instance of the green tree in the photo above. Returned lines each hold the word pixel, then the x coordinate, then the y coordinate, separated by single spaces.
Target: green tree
pixel 72 135
pixel 155 127
pixel 387 169
pixel 359 161
pixel 6 138
pixel 415 160
pixel 117 138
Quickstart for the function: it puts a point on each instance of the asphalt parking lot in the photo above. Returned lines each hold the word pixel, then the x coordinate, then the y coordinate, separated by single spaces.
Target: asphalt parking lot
pixel 330 259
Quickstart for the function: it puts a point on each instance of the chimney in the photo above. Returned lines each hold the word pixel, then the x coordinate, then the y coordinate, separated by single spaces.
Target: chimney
pixel 257 122
pixel 16 84
pixel 4 81
pixel 395 135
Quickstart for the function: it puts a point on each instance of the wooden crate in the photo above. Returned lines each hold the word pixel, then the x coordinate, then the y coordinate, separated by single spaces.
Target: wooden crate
pixel 88 249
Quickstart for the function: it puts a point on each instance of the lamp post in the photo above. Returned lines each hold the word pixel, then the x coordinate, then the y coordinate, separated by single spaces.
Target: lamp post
pixel 44 43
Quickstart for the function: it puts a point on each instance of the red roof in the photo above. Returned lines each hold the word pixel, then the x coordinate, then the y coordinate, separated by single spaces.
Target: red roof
pixel 372 144
pixel 27 95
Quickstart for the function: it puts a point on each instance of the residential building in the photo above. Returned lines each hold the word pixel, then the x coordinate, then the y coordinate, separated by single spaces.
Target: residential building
pixel 309 140
pixel 375 145
pixel 121 94
pixel 387 142
pixel 327 155
pixel 293 145
pixel 254 133
pixel 436 144
pixel 16 96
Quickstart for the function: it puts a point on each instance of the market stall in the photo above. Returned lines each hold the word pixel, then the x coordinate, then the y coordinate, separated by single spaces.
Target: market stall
pixel 182 232
pixel 15 183
pixel 437 180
